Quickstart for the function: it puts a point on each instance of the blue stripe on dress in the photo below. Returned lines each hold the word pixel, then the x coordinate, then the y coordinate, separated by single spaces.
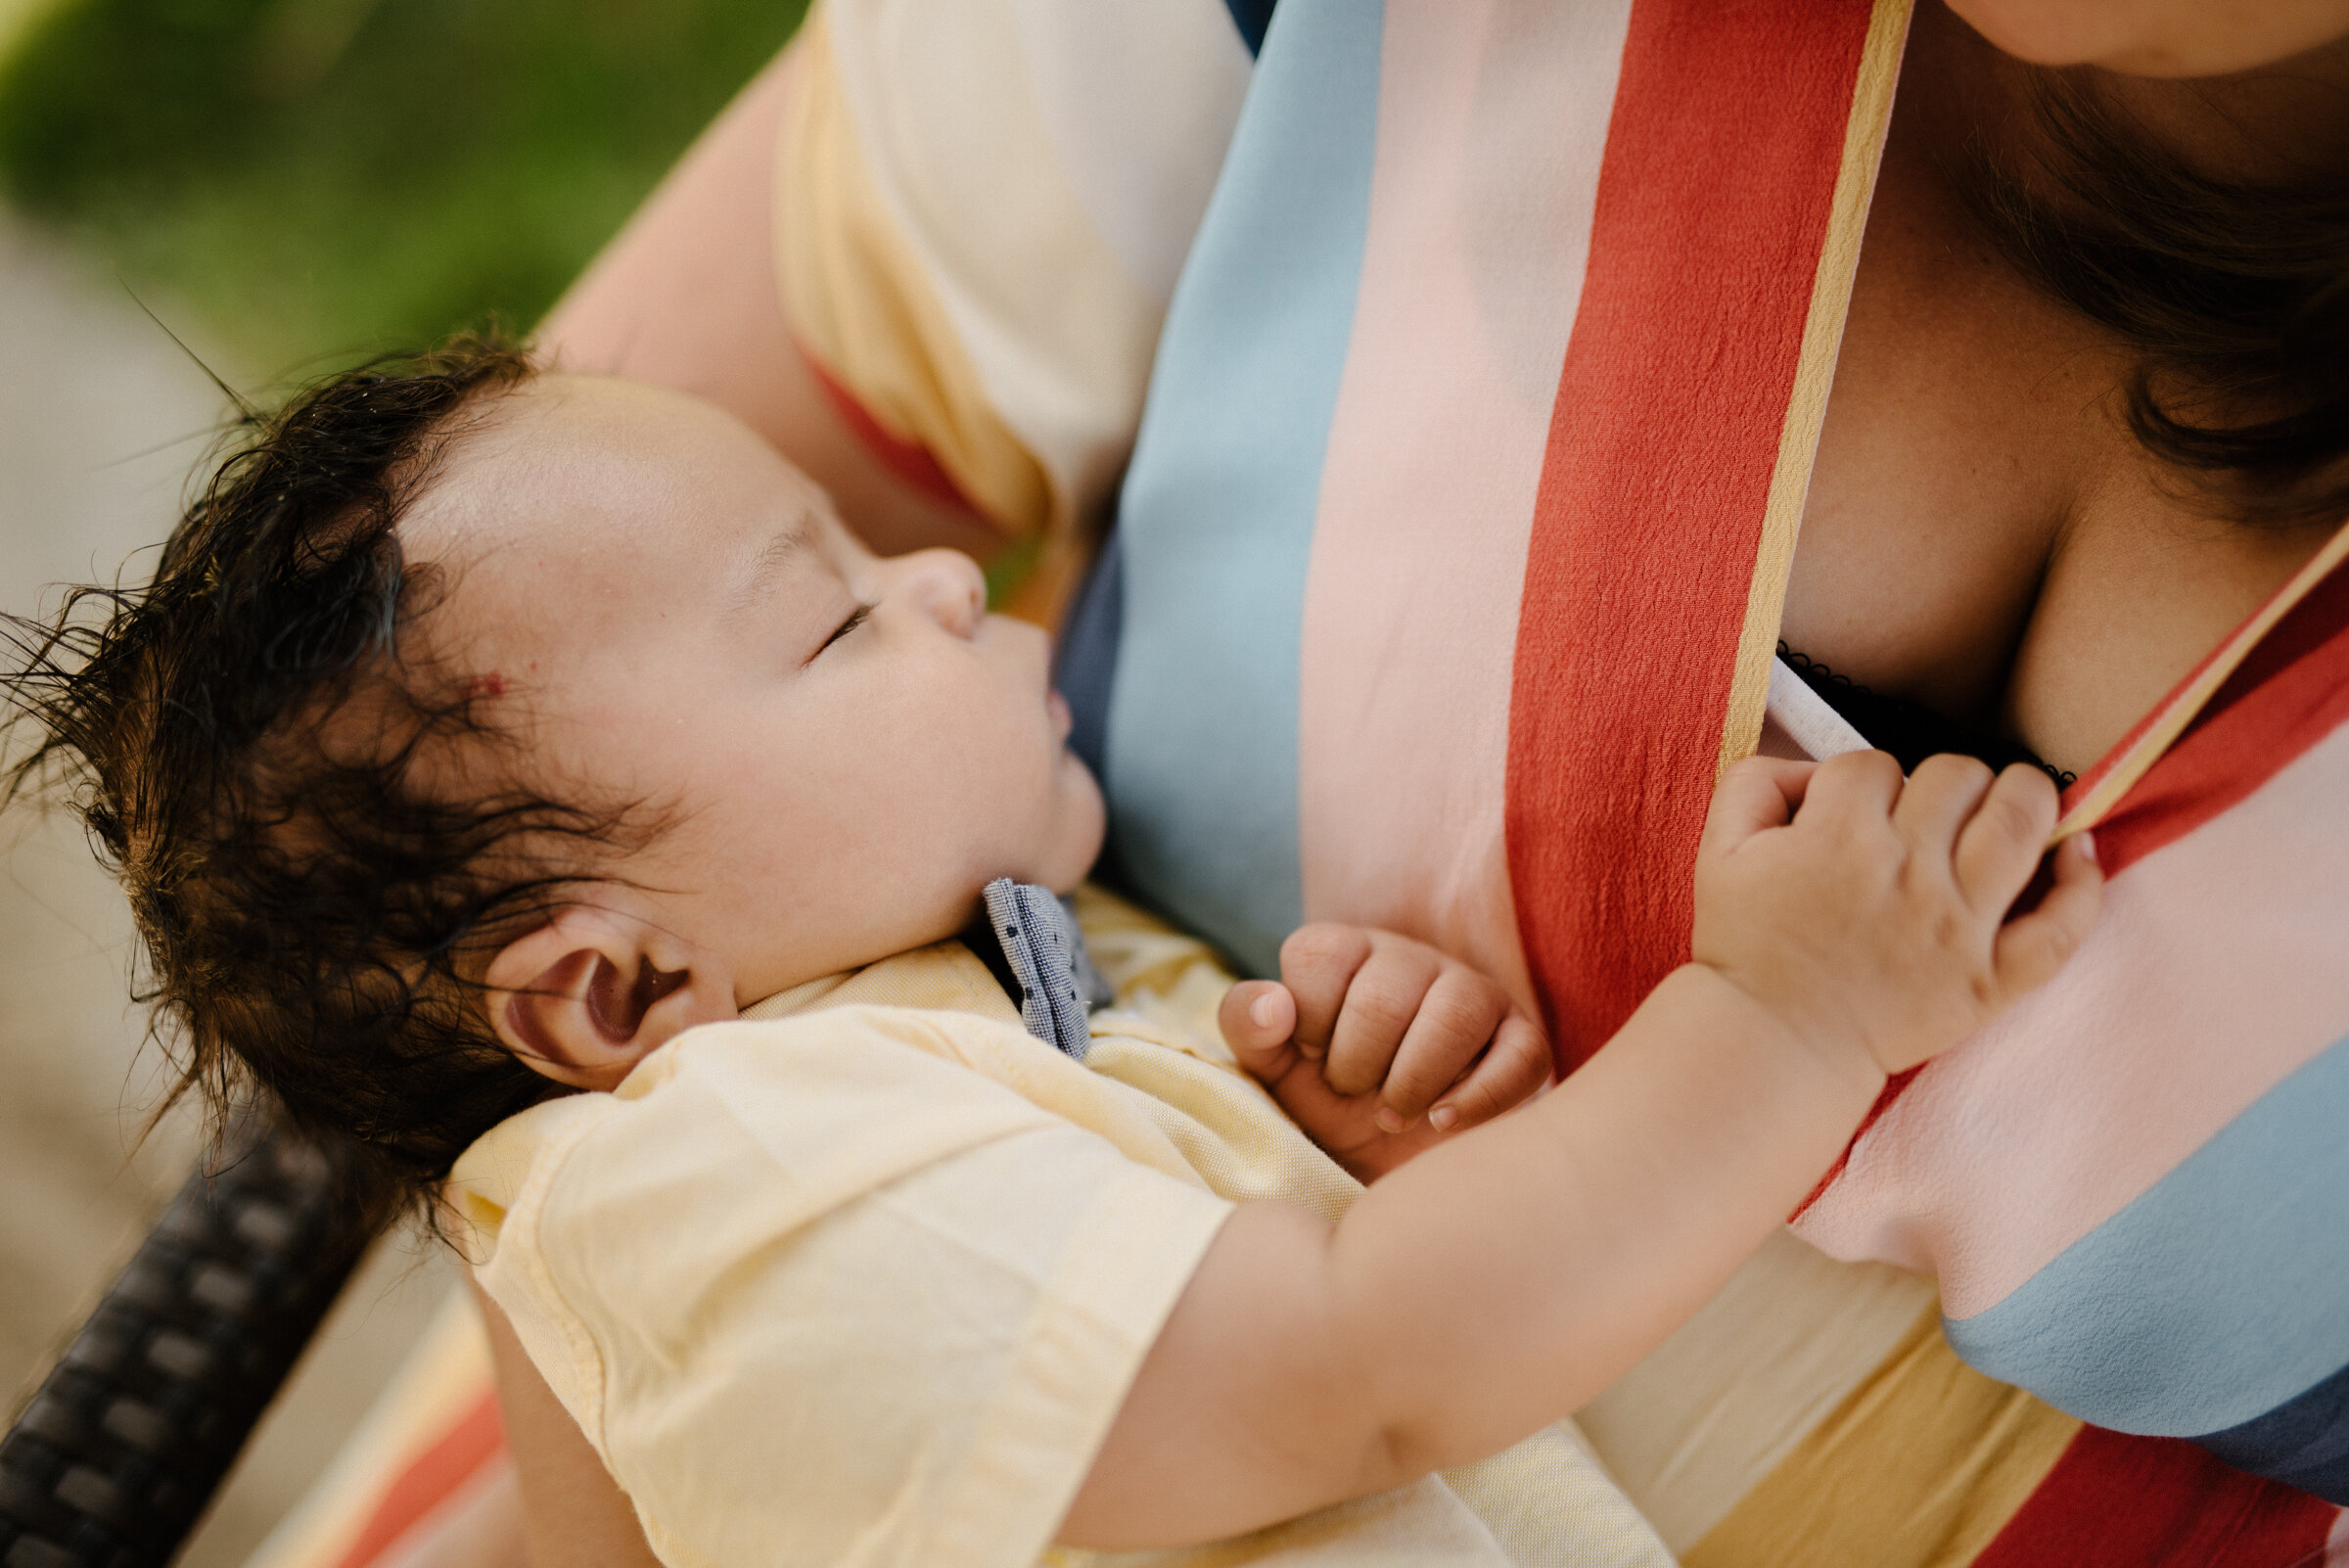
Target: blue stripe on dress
pixel 2302 1443
pixel 1217 517
pixel 1084 660
pixel 2219 1294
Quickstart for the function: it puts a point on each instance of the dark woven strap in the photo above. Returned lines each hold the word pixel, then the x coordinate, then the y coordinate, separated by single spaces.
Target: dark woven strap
pixel 124 1443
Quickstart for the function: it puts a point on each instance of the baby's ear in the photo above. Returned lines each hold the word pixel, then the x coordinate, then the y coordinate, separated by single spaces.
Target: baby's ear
pixel 588 995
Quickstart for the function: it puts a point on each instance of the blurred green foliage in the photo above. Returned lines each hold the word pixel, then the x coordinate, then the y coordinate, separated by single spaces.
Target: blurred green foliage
pixel 319 178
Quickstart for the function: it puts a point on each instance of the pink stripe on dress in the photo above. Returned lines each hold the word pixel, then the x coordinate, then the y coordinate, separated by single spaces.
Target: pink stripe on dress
pixel 2215 974
pixel 1493 116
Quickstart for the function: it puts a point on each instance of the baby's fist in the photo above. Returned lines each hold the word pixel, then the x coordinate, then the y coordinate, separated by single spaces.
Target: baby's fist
pixel 1379 1045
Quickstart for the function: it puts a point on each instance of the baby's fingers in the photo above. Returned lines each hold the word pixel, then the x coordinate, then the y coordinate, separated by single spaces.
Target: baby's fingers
pixel 1511 1072
pixel 1318 963
pixel 1387 998
pixel 1999 852
pixel 1754 794
pixel 1258 1019
pixel 2032 947
pixel 1455 1018
pixel 1940 798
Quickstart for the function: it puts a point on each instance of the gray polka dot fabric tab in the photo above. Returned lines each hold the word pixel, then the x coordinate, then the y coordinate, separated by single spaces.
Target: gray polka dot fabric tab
pixel 1059 988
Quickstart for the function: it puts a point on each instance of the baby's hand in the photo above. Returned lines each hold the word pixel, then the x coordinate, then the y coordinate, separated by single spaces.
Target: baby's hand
pixel 1871 914
pixel 1379 1045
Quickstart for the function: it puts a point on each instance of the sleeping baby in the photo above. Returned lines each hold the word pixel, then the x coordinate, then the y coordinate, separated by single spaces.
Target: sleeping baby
pixel 527 777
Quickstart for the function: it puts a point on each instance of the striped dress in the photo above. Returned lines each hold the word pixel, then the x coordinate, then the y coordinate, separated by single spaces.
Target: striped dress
pixel 1472 355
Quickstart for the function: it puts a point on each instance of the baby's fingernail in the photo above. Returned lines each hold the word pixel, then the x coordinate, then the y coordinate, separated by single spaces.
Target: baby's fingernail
pixel 1387 1120
pixel 2087 844
pixel 1442 1117
pixel 1264 1011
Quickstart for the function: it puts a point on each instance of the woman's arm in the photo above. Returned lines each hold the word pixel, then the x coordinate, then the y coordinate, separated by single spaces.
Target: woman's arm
pixel 686 296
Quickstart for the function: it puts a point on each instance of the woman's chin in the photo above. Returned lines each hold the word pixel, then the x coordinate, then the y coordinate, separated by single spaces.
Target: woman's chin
pixel 2155 38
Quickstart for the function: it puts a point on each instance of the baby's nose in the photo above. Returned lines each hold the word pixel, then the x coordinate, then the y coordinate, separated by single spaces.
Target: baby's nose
pixel 951 586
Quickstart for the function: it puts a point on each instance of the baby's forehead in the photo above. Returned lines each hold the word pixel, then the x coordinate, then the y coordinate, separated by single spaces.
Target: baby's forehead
pixel 582 506
pixel 558 454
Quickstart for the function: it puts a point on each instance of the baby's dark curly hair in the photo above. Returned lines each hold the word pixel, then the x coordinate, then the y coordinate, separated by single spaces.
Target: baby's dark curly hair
pixel 253 741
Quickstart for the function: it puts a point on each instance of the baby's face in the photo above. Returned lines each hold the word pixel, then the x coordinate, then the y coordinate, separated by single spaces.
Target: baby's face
pixel 848 748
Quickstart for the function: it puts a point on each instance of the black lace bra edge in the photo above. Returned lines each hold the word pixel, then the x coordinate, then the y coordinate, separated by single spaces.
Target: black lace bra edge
pixel 1909 730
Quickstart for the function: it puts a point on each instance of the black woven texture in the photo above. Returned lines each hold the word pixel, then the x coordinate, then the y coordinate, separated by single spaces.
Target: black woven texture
pixel 124 1444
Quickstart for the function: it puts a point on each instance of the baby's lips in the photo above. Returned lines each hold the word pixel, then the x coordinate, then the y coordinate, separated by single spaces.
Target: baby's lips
pixel 1063 720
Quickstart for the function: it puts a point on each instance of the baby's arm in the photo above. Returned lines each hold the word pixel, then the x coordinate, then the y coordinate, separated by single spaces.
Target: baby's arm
pixel 1379 1047
pixel 1848 924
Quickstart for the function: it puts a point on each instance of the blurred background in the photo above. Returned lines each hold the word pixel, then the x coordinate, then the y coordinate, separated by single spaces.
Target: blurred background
pixel 261 190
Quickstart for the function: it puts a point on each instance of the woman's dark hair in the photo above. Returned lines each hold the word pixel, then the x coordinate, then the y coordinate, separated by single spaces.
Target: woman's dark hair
pixel 252 740
pixel 2234 294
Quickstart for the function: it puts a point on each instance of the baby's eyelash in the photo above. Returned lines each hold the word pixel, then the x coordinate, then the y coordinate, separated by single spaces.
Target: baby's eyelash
pixel 855 620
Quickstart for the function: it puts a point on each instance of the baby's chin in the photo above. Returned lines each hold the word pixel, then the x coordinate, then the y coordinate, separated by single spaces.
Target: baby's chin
pixel 1094 813
pixel 1079 825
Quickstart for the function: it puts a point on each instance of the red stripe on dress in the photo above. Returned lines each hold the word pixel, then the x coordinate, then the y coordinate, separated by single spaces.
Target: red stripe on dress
pixel 1891 1092
pixel 2289 693
pixel 909 461
pixel 2118 1502
pixel 1714 196
pixel 434 1477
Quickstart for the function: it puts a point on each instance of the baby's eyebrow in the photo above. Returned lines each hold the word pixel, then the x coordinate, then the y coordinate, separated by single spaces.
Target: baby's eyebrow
pixel 774 557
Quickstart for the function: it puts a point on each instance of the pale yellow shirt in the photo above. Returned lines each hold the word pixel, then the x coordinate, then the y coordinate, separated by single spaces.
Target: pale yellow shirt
pixel 865 1277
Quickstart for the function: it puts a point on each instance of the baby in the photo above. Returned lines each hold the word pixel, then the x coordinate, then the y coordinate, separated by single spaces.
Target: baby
pixel 488 735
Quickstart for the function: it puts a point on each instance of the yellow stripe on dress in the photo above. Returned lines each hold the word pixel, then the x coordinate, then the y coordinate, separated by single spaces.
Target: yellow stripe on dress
pixel 981 206
pixel 1920 1467
pixel 2108 787
pixel 1813 376
pixel 858 300
pixel 1720 1406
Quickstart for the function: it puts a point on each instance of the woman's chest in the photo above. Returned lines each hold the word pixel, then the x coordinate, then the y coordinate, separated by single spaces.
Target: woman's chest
pixel 1983 534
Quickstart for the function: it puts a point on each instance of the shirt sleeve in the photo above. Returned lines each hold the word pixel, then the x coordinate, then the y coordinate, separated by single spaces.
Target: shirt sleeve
pixel 980 209
pixel 849 1301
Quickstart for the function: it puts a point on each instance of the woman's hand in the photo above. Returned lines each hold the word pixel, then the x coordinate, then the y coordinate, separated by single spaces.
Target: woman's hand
pixel 1379 1047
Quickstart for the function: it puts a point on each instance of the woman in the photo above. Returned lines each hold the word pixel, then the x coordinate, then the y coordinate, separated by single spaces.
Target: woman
pixel 1449 560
